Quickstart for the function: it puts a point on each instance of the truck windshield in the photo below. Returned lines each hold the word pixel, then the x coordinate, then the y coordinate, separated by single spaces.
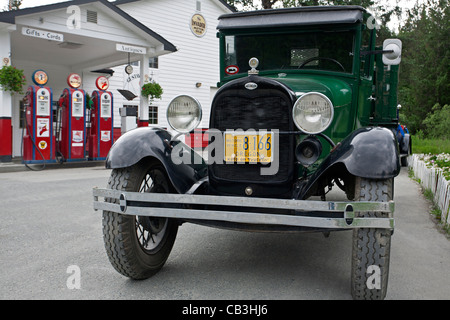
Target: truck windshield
pixel 331 51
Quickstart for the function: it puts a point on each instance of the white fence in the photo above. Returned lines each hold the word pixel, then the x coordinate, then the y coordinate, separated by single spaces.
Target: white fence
pixel 433 179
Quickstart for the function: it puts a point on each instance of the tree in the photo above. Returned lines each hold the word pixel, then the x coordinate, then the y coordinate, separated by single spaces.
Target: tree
pixel 381 11
pixel 437 123
pixel 14 4
pixel 298 3
pixel 269 4
pixel 425 68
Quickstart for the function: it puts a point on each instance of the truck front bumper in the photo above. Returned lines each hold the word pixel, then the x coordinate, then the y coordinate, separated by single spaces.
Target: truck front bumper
pixel 301 213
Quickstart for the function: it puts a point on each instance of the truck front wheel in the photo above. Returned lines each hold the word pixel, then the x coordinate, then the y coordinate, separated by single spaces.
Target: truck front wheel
pixel 138 246
pixel 371 247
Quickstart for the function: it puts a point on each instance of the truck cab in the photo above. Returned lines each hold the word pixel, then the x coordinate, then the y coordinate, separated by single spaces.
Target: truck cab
pixel 331 82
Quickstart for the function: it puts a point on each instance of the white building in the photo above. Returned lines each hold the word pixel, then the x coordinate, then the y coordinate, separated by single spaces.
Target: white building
pixel 87 36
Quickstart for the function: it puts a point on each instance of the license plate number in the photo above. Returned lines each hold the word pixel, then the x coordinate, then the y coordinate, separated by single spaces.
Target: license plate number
pixel 248 148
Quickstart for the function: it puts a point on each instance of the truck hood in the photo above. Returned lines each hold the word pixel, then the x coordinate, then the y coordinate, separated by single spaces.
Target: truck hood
pixel 337 90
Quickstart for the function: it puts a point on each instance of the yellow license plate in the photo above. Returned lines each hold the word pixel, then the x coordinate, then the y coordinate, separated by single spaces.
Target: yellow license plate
pixel 248 148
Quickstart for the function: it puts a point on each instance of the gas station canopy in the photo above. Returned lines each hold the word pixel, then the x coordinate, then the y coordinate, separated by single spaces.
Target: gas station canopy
pixel 80 35
pixel 85 37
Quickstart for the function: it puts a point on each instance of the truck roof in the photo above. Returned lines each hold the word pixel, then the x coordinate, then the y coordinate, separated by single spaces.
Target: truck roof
pixel 299 16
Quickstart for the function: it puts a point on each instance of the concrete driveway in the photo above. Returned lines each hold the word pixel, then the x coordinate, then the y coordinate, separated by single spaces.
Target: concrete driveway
pixel 49 233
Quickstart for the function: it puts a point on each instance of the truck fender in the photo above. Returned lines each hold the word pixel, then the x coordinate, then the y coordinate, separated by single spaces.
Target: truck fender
pixel 145 142
pixel 370 152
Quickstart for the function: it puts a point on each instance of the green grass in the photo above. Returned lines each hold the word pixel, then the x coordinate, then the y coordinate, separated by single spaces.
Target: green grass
pixel 433 146
pixel 434 209
pixel 436 212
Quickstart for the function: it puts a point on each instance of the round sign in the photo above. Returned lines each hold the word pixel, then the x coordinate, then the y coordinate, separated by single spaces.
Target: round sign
pixel 42 145
pixel 102 83
pixel 74 80
pixel 198 25
pixel 232 70
pixel 40 77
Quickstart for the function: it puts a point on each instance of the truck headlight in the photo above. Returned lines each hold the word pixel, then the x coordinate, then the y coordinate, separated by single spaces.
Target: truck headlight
pixel 184 113
pixel 313 113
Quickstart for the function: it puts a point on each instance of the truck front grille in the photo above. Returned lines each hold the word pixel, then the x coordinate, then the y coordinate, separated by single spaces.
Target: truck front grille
pixel 244 110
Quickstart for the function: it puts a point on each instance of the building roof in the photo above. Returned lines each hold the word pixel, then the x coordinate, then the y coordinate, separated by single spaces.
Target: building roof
pixel 10 17
pixel 300 16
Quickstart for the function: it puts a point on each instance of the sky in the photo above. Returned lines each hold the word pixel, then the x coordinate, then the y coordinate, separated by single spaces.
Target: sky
pixel 30 3
pixel 34 3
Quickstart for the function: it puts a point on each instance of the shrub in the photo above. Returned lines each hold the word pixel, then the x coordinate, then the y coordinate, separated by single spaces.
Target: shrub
pixel 152 90
pixel 437 122
pixel 12 79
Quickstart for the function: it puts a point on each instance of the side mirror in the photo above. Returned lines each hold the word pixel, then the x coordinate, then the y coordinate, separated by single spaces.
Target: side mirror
pixel 393 56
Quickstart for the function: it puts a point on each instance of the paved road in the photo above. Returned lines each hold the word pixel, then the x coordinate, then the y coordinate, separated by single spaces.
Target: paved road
pixel 48 224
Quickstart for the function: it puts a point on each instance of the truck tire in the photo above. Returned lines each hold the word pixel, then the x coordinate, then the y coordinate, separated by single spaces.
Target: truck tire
pixel 404 159
pixel 371 247
pixel 138 247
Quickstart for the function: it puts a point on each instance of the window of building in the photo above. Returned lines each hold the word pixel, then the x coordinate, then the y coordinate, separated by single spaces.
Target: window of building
pixel 152 115
pixel 22 115
pixel 153 63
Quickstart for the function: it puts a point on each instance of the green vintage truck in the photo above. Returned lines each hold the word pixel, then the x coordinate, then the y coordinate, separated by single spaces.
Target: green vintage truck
pixel 307 102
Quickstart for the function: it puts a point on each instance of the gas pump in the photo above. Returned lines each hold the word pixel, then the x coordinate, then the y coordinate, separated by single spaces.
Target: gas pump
pixel 71 131
pixel 102 125
pixel 38 139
